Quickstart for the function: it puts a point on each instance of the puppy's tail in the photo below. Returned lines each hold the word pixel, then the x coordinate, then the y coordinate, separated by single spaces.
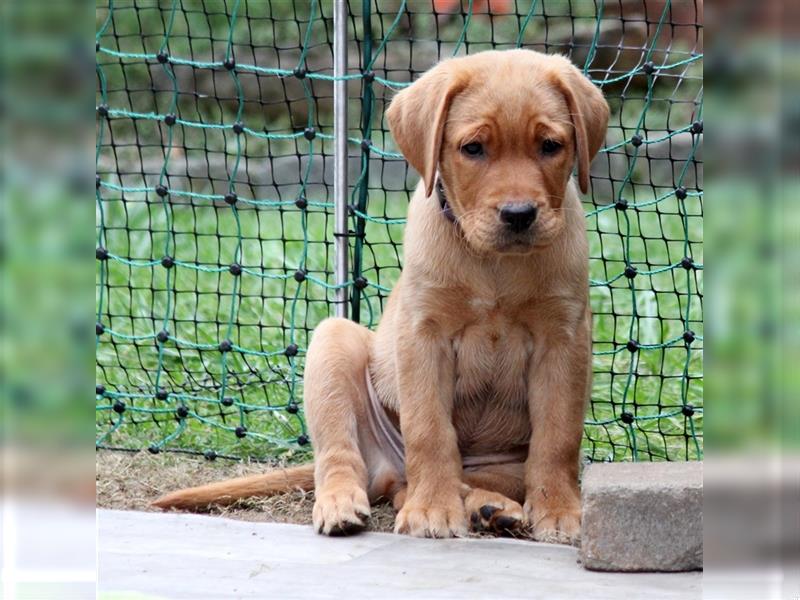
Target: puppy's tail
pixel 229 491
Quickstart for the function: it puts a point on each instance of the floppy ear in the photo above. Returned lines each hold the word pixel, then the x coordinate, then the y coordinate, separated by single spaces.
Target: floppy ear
pixel 589 111
pixel 417 116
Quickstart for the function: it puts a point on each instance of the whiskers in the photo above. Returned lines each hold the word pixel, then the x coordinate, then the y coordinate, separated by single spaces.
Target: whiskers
pixel 565 209
pixel 466 215
pixel 473 230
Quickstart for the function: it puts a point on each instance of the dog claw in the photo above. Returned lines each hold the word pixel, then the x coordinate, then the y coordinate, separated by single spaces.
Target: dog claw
pixel 346 528
pixel 443 519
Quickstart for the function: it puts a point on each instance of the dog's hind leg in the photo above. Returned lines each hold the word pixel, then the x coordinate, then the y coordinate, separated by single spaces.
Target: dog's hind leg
pixel 494 499
pixel 335 399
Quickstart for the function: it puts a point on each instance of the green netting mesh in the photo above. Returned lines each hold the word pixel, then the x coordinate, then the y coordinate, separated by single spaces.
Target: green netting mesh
pixel 215 211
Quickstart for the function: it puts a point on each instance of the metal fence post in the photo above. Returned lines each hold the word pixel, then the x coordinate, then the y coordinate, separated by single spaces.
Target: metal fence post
pixel 341 241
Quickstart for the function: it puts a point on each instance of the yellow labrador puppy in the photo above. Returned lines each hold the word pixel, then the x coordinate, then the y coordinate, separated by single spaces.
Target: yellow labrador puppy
pixel 468 401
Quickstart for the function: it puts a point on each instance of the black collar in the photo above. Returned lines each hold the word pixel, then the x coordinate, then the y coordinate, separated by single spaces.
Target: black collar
pixel 447 210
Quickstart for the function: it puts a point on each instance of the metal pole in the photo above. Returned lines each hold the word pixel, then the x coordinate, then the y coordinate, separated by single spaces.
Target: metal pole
pixel 341 245
pixel 366 133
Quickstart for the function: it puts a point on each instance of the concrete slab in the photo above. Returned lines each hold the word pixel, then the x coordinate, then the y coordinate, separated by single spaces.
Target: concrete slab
pixel 193 556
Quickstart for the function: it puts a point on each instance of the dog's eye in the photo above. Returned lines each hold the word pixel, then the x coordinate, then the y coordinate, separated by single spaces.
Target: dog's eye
pixel 472 149
pixel 550 147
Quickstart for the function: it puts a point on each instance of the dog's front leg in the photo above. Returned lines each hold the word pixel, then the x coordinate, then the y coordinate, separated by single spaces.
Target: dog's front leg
pixel 557 391
pixel 434 505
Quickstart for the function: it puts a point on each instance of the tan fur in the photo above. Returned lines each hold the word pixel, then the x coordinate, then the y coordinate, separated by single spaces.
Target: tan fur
pixel 484 346
pixel 227 492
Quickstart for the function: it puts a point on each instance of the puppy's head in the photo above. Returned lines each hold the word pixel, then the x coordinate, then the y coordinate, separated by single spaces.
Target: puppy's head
pixel 504 130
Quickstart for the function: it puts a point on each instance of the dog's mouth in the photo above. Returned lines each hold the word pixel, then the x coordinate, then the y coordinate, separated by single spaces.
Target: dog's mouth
pixel 515 243
pixel 485 235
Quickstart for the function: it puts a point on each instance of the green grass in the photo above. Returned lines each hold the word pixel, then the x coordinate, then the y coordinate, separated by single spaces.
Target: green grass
pixel 262 386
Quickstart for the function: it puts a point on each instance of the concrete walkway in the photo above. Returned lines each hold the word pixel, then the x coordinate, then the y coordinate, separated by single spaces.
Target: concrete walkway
pixel 194 557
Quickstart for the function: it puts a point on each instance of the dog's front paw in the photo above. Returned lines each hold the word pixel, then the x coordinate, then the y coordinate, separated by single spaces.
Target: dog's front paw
pixel 340 510
pixel 555 523
pixel 439 517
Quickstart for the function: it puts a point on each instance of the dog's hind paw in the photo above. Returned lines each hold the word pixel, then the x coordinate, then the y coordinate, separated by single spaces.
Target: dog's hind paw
pixel 490 511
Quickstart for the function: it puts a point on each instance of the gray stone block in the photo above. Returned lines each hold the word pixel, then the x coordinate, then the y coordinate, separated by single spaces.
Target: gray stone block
pixel 642 517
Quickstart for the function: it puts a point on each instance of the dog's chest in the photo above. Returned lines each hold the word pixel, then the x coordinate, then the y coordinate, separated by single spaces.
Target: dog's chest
pixel 492 356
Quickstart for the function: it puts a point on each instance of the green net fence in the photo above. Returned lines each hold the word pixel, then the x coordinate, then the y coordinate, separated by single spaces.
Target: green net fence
pixel 215 209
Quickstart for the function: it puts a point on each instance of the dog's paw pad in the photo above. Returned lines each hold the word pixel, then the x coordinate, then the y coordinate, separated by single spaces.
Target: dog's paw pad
pixel 493 512
pixel 506 523
pixel 487 511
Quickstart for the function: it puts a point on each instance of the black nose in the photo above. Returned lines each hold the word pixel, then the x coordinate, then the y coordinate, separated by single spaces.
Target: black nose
pixel 518 216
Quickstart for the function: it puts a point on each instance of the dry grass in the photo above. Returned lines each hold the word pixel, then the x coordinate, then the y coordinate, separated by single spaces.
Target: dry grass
pixel 130 481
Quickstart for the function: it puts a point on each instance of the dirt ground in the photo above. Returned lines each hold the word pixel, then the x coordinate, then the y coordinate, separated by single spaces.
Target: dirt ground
pixel 130 481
